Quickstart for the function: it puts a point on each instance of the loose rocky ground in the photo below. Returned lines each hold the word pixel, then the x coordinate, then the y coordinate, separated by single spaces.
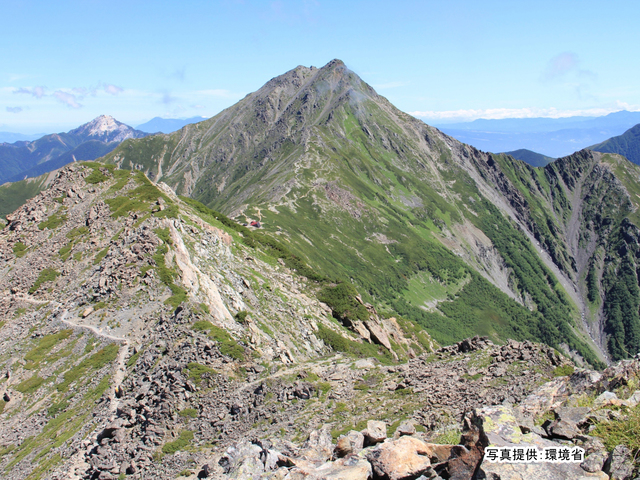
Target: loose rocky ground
pixel 144 339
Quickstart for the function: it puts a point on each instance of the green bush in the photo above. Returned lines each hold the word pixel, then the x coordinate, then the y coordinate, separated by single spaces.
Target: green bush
pixel 53 222
pixel 95 177
pixel 341 299
pixel 196 371
pixel 227 345
pixel 188 413
pixel 241 316
pixel 180 443
pixel 45 344
pixel 563 371
pixel 623 431
pixel 101 254
pixel 94 362
pixel 362 350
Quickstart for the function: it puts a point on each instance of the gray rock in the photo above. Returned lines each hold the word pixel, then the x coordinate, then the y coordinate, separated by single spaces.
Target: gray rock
pixel 620 463
pixel 376 432
pixel 606 398
pixel 564 429
pixel 594 462
pixel 348 444
pixel 633 400
pixel 576 415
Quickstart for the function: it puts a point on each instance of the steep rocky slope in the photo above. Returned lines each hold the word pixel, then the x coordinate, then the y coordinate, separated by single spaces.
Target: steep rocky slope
pixel 463 242
pixel 113 286
pixel 147 336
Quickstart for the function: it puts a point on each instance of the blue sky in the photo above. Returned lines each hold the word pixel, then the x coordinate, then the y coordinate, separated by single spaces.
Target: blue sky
pixel 66 62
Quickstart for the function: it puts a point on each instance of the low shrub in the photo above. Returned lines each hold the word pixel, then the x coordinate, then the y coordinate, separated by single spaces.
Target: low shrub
pixel 180 443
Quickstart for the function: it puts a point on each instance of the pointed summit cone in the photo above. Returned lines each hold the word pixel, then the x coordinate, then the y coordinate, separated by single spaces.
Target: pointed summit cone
pixel 422 225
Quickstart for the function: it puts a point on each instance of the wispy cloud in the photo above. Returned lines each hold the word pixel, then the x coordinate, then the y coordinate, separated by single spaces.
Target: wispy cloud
pixel 37 92
pixel 71 96
pixel 566 64
pixel 500 113
pixel 14 109
pixel 68 99
pixel 167 98
pixel 16 76
pixel 112 89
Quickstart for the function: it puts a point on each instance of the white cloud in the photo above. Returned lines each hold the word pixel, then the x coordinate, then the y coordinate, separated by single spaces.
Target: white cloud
pixel 14 109
pixel 113 89
pixel 500 113
pixel 68 99
pixel 565 64
pixel 37 92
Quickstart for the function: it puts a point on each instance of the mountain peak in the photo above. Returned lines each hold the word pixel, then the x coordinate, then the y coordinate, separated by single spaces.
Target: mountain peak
pixel 106 129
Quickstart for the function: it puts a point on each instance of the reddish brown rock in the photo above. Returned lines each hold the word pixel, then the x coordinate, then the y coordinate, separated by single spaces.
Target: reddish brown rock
pixel 406 457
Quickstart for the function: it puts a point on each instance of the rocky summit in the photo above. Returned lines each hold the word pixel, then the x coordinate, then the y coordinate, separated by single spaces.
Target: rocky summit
pixel 148 336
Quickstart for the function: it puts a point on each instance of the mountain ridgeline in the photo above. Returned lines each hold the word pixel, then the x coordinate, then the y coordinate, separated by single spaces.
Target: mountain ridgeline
pixel 461 241
pixel 87 142
pixel 627 144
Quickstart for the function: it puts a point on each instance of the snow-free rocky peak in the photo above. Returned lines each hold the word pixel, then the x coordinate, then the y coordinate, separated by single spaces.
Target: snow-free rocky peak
pixel 107 129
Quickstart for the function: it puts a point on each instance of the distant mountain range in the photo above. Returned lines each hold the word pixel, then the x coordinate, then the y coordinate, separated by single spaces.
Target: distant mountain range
pixel 10 137
pixel 87 142
pixel 532 158
pixel 627 144
pixel 553 137
pixel 167 125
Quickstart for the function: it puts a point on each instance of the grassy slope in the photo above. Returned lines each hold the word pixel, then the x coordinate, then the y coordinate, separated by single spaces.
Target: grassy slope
pixel 363 174
pixel 13 195
pixel 627 144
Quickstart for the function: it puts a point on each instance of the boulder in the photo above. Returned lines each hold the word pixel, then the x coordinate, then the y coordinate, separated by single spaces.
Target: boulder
pixel 348 444
pixel 620 463
pixel 376 432
pixel 404 458
pixel 319 446
pixel 594 462
pixel 606 398
pixel 405 428
pixel 350 468
pixel 564 429
pixel 633 400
